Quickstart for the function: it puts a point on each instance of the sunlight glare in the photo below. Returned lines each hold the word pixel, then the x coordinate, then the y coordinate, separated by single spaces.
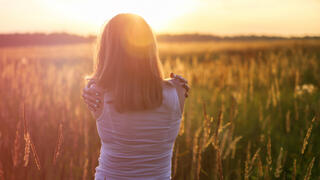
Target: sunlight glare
pixel 94 13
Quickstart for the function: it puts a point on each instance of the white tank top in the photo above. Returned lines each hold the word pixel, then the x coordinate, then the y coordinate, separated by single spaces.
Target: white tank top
pixel 138 145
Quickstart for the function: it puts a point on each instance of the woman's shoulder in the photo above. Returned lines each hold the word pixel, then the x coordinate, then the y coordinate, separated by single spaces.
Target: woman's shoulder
pixel 169 83
pixel 173 83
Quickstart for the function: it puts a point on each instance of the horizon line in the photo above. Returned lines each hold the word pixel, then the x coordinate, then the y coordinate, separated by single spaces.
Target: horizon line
pixel 171 33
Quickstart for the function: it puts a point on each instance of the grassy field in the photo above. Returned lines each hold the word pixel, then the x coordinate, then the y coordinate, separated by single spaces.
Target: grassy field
pixel 252 113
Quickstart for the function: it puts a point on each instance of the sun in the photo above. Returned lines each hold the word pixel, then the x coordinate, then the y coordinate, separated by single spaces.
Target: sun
pixel 93 13
pixel 158 13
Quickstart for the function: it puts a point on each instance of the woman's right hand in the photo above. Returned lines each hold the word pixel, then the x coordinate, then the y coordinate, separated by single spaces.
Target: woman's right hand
pixel 93 96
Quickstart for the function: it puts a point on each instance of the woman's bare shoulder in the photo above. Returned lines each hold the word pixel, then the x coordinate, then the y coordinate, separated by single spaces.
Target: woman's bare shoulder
pixel 172 82
pixel 168 82
pixel 175 83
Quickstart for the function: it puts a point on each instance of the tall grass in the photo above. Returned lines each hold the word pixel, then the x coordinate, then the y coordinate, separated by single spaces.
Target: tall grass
pixel 252 113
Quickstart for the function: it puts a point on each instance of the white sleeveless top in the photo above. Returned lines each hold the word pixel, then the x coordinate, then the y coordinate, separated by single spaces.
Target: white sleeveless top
pixel 138 145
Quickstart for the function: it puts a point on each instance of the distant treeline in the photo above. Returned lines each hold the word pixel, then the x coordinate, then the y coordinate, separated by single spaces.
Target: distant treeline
pixel 204 37
pixel 65 38
pixel 42 39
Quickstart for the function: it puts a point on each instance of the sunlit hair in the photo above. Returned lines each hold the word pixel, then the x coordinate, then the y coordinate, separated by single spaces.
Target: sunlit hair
pixel 128 65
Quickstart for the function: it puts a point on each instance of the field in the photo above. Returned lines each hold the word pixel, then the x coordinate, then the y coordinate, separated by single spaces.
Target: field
pixel 252 113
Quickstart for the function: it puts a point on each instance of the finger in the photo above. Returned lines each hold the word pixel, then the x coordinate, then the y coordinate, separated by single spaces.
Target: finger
pixel 93 104
pixel 185 86
pixel 96 107
pixel 182 84
pixel 93 99
pixel 95 87
pixel 175 76
pixel 181 78
pixel 88 91
pixel 93 90
pixel 172 75
pixel 91 108
pixel 88 99
pixel 91 82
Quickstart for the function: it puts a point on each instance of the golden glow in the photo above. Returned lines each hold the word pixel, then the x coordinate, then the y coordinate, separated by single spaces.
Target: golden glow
pixel 93 13
pixel 221 17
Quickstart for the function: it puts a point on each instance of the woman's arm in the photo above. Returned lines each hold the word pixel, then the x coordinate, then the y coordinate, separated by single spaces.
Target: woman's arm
pixel 93 95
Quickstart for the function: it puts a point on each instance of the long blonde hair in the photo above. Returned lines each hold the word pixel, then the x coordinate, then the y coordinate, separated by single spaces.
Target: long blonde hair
pixel 128 64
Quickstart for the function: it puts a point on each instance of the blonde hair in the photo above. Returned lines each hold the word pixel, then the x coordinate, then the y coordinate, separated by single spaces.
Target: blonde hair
pixel 128 64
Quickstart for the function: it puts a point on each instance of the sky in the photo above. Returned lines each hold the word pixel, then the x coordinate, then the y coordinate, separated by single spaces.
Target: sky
pixel 219 17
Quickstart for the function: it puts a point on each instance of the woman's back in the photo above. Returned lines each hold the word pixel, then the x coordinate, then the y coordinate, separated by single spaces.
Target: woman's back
pixel 138 145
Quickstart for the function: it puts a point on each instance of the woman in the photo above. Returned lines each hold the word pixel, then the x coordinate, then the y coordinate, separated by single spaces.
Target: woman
pixel 137 112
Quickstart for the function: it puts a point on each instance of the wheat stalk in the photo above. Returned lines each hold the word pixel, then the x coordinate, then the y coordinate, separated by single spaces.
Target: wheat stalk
pixel 246 163
pixel 306 138
pixel 216 132
pixel 278 170
pixel 308 174
pixel 269 157
pixel 26 136
pixel 59 143
pixel 35 155
pixel 198 167
pixel 260 167
pixel 26 149
pixel 255 156
pixel 288 122
pixel 219 163
pixel 294 173
pixel 195 152
pixel 16 148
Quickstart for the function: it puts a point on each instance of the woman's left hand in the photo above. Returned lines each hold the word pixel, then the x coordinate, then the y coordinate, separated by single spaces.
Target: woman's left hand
pixel 183 83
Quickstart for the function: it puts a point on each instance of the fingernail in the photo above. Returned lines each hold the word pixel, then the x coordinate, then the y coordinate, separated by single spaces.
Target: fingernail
pixel 97 100
pixel 97 94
